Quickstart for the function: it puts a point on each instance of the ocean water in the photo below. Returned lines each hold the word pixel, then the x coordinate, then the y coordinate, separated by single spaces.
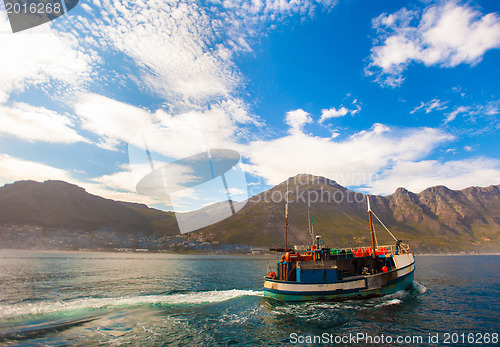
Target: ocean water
pixel 88 299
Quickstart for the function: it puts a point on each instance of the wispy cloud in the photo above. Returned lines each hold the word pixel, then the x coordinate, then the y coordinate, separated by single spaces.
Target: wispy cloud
pixel 113 121
pixel 452 115
pixel 270 9
pixel 174 136
pixel 488 111
pixel 16 169
pixel 38 124
pixel 38 57
pixel 181 51
pixel 429 106
pixel 185 50
pixel 185 53
pixel 445 34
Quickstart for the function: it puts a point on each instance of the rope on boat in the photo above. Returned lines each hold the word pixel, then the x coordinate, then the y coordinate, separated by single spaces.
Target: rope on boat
pixel 385 226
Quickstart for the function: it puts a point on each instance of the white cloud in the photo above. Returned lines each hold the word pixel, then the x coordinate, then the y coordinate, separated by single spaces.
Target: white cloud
pixel 37 124
pixel 15 169
pixel 114 121
pixel 333 113
pixel 492 108
pixel 175 179
pixel 121 186
pixel 39 56
pixel 340 112
pixel 354 161
pixel 297 119
pixel 487 111
pixel 459 90
pixel 272 9
pixel 109 193
pixel 357 110
pixel 185 54
pixel 378 160
pixel 452 115
pixel 429 106
pixel 122 180
pixel 447 34
pixel 86 7
pixel 185 50
pixel 417 176
pixel 174 136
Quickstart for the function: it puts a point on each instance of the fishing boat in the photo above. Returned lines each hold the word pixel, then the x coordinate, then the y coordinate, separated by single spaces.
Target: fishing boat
pixel 323 273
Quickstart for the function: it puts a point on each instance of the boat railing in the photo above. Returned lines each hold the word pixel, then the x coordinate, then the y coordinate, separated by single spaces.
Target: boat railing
pixel 402 248
pixel 386 250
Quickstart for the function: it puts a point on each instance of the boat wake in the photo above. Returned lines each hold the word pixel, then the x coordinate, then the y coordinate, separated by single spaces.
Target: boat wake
pixel 396 298
pixel 88 305
pixel 390 302
pixel 28 320
pixel 418 288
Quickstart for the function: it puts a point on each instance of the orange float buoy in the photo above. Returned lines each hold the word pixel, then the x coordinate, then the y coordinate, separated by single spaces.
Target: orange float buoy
pixel 272 274
pixel 385 269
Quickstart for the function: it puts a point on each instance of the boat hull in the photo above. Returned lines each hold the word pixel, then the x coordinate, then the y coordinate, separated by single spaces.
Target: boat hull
pixel 356 287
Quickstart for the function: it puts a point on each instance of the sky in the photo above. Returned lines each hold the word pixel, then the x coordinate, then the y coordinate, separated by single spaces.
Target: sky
pixel 375 95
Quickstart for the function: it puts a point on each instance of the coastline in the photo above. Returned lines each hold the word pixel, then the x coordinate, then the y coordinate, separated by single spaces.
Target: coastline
pixel 212 253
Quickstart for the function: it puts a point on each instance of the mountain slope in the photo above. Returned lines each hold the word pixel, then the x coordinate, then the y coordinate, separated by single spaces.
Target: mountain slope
pixel 59 215
pixel 435 220
pixel 61 208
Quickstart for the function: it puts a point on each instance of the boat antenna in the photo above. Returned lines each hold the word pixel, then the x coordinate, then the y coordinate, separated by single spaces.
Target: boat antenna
pixel 372 232
pixel 286 217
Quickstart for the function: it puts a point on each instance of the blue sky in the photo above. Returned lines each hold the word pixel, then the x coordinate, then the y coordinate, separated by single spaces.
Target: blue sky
pixel 372 94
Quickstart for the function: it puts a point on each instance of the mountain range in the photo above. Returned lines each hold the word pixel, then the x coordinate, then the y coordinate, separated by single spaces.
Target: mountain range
pixel 56 214
pixel 435 220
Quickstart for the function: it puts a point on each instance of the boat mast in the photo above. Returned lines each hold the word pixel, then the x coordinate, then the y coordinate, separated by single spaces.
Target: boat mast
pixel 286 217
pixel 311 226
pixel 372 232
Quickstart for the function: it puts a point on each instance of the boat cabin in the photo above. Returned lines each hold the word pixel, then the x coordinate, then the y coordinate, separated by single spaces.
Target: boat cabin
pixel 323 265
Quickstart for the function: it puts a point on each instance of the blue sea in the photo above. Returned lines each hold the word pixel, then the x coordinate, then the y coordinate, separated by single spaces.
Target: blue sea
pixel 146 299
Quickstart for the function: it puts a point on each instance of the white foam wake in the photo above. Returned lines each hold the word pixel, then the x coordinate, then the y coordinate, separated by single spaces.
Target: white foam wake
pixel 390 302
pixel 12 311
pixel 419 288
